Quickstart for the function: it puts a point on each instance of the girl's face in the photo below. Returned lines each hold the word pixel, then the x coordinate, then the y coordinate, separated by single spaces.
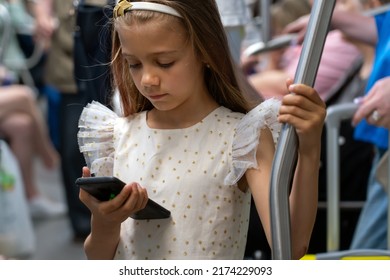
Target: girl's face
pixel 162 63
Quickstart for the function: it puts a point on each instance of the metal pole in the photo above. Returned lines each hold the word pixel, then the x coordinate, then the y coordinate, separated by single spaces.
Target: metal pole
pixel 266 20
pixel 335 114
pixel 286 152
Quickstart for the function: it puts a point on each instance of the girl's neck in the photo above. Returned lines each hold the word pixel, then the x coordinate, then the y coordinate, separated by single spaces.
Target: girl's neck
pixel 184 116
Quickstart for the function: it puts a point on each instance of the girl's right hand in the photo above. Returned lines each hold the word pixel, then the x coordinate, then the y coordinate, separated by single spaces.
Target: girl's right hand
pixel 131 199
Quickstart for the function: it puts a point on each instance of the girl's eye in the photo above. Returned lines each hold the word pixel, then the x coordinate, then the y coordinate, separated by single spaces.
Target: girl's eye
pixel 165 65
pixel 134 65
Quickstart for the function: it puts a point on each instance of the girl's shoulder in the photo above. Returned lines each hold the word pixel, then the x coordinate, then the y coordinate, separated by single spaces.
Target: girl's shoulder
pixel 247 137
pixel 96 137
pixel 263 115
pixel 96 111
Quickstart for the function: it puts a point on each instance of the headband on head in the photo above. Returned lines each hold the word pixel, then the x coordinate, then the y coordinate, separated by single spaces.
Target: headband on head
pixel 124 6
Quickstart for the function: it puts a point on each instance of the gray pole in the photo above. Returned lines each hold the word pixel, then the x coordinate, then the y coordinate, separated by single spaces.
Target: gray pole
pixel 286 152
pixel 266 20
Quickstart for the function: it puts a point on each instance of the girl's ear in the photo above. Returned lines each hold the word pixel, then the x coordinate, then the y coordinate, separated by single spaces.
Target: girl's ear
pixel 205 63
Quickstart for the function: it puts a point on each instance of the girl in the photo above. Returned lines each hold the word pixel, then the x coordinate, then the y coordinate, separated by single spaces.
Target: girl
pixel 189 141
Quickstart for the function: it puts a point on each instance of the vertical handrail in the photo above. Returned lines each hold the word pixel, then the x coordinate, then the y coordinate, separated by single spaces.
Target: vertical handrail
pixel 335 114
pixel 286 153
pixel 266 20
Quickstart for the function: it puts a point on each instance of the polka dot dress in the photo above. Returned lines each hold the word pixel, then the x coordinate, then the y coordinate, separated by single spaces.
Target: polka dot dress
pixel 192 172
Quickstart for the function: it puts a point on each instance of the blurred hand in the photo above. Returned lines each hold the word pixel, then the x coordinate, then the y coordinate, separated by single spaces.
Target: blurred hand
pixel 377 100
pixel 45 22
pixel 299 27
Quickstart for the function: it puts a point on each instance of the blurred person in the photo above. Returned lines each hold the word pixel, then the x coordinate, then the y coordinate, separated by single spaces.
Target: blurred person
pixel 378 99
pixel 23 126
pixel 45 21
pixel 371 230
pixel 281 13
pixel 374 111
pixel 59 75
pixel 265 70
pixel 283 63
pixel 21 116
pixel 80 42
pixel 13 57
pixel 359 82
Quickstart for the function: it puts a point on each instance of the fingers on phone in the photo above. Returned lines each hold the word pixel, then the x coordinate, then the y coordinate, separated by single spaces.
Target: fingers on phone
pixel 131 199
pixel 143 197
pixel 86 172
pixel 138 198
pixel 86 198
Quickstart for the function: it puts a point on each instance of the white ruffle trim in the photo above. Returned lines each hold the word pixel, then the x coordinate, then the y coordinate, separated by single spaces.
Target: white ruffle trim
pixel 96 138
pixel 247 137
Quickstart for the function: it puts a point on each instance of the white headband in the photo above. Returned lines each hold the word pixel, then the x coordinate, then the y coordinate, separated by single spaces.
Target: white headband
pixel 123 6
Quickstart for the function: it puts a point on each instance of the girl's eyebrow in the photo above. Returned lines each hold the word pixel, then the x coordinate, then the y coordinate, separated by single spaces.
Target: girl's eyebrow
pixel 151 54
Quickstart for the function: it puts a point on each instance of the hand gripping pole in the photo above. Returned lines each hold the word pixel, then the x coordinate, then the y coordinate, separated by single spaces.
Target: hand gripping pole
pixel 286 152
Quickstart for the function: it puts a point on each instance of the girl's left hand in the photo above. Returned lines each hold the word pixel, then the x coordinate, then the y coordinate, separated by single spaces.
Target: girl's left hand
pixel 306 112
pixel 131 199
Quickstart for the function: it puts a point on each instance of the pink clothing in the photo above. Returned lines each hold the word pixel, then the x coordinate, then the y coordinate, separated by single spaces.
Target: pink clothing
pixel 338 56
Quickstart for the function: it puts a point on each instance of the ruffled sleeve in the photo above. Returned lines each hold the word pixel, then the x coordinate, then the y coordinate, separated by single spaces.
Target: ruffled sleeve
pixel 96 138
pixel 247 137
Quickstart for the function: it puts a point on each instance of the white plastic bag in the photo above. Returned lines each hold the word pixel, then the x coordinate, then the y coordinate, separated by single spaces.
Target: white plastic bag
pixel 17 237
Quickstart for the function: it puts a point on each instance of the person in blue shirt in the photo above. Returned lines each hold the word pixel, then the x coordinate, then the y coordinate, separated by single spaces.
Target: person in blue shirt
pixel 371 230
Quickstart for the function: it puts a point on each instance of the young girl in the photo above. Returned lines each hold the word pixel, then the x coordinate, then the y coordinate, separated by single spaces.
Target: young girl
pixel 189 141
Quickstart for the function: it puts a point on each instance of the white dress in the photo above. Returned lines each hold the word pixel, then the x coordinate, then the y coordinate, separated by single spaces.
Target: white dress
pixel 193 172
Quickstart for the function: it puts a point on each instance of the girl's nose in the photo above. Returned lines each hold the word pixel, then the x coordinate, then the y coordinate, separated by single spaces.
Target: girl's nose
pixel 149 78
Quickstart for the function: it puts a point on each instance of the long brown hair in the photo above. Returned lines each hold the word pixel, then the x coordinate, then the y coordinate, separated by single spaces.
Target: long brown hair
pixel 201 20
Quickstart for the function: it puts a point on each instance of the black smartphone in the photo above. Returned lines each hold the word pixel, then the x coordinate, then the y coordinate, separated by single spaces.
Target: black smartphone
pixel 107 187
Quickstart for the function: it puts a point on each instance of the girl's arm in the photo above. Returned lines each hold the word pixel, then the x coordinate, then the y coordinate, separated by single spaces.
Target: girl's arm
pixel 102 242
pixel 259 180
pixel 306 112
